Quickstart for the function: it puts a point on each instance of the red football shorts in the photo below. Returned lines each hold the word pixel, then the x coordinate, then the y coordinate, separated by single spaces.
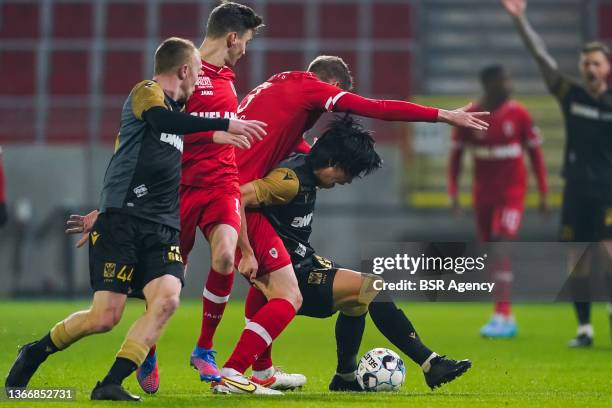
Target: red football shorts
pixel 267 246
pixel 204 208
pixel 498 221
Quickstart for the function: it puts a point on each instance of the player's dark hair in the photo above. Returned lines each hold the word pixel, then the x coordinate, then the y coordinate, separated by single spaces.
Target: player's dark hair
pixel 172 53
pixel 232 17
pixel 329 68
pixel 491 73
pixel 595 46
pixel 348 145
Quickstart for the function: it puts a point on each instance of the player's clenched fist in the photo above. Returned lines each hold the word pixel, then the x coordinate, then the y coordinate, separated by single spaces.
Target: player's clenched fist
pixel 515 8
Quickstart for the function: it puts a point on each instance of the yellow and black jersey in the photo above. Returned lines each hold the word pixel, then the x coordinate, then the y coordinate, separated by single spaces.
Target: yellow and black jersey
pixel 144 173
pixel 588 127
pixel 288 195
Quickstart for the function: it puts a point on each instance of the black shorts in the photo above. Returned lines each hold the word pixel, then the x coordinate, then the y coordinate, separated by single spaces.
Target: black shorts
pixel 586 216
pixel 126 253
pixel 315 277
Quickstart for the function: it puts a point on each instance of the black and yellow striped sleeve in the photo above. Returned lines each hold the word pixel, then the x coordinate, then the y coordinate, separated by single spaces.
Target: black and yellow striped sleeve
pixel 146 95
pixel 279 187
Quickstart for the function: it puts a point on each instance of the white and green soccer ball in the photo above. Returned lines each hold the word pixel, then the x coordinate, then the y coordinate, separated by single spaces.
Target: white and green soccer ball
pixel 381 369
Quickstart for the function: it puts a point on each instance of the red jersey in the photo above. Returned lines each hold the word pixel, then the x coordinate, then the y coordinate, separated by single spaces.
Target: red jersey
pixel 291 103
pixel 206 164
pixel 499 169
pixel 2 197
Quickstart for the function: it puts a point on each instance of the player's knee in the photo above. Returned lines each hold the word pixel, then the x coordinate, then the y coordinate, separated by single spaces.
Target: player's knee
pixel 166 305
pixel 103 322
pixel 223 260
pixel 370 287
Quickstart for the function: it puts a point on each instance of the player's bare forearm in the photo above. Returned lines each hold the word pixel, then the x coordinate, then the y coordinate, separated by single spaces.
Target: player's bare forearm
pixel 534 43
pixel 248 265
pixel 243 237
pixel 248 198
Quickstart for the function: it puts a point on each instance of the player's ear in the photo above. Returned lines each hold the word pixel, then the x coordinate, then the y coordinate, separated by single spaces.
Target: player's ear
pixel 231 39
pixel 182 72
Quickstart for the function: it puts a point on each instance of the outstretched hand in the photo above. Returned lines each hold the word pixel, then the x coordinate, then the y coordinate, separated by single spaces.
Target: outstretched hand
pixel 515 8
pixel 252 129
pixel 81 224
pixel 462 118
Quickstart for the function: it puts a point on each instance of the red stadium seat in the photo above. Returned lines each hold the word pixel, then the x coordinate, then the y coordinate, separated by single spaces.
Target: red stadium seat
pixel 68 125
pixel 285 20
pixel 181 20
pixel 122 70
pixel 17 73
pixel 19 20
pixel 392 20
pixel 125 20
pixel 69 73
pixel 279 61
pixel 605 16
pixel 331 14
pixel 391 74
pixel 72 20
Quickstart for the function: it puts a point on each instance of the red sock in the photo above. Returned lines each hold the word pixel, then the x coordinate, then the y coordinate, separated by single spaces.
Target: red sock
pixel 152 350
pixel 503 285
pixel 259 333
pixel 215 297
pixel 255 300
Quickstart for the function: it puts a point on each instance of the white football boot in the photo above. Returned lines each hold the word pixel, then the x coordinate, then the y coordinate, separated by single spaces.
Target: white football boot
pixel 239 384
pixel 276 379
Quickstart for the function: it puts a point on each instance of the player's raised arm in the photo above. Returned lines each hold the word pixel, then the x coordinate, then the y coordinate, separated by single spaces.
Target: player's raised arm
pixel 533 42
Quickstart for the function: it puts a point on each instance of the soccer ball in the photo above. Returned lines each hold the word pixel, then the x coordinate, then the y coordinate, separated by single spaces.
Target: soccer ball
pixel 381 369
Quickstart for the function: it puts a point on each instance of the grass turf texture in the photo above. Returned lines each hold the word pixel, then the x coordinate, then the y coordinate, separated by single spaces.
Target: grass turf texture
pixel 535 369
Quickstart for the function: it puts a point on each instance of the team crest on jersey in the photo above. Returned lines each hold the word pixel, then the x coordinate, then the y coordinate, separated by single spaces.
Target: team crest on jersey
pixel 204 82
pixel 508 128
pixel 109 270
pixel 274 253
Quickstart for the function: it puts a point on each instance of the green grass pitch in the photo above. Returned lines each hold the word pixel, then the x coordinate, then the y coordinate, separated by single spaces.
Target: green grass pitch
pixel 535 369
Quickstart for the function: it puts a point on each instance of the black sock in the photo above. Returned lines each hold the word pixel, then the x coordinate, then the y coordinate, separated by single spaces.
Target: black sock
pixel 43 348
pixel 120 370
pixel 349 331
pixel 583 312
pixel 395 326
